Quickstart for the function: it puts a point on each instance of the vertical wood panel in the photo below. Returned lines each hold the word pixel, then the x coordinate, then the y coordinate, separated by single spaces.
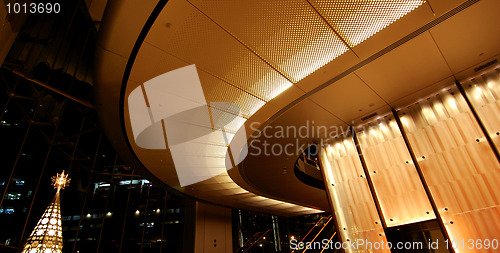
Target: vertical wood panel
pixel 401 194
pixel 484 94
pixel 459 165
pixel 353 204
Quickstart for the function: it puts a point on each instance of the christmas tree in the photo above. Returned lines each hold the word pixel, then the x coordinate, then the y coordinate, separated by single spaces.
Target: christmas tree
pixel 47 234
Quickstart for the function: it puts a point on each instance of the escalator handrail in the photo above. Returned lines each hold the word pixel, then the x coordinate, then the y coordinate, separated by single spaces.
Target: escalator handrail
pixel 315 225
pixel 267 231
pixel 324 226
pixel 326 246
pixel 247 241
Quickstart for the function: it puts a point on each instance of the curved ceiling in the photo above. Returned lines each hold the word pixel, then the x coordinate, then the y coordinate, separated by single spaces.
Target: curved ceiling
pixel 287 63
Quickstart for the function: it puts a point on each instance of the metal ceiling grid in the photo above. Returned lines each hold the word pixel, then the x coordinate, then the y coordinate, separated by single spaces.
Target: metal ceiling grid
pixel 234 122
pixel 290 35
pixel 357 20
pixel 214 50
pixel 216 90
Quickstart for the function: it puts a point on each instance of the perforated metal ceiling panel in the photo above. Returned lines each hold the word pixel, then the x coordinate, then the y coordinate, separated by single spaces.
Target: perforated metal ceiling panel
pixel 152 62
pixel 194 38
pixel 289 34
pixel 217 90
pixel 221 116
pixel 357 20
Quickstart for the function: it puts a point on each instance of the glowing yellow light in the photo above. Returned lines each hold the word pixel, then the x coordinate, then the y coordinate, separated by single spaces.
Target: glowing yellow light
pixel 47 234
pixel 451 102
pixel 425 111
pixel 60 181
pixel 330 149
pixel 429 114
pixel 346 142
pixel 329 172
pixel 382 127
pixel 404 121
pixel 479 92
pixel 439 107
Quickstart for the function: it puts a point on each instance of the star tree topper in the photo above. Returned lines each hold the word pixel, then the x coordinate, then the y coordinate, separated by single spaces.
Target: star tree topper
pixel 60 181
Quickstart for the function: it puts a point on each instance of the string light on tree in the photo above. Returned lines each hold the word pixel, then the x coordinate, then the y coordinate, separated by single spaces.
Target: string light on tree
pixel 47 234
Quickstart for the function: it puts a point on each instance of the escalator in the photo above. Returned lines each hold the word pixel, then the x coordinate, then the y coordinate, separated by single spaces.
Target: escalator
pixel 321 234
pixel 255 243
pixel 319 238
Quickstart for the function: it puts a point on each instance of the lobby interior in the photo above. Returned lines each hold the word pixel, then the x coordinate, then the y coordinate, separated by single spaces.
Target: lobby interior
pixel 251 126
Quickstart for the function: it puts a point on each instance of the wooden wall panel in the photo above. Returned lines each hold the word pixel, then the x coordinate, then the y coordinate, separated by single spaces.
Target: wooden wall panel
pixel 400 191
pixel 353 204
pixel 459 165
pixel 484 94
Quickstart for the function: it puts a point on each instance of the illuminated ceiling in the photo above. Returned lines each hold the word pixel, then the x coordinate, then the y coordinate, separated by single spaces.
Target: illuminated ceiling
pixel 262 56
